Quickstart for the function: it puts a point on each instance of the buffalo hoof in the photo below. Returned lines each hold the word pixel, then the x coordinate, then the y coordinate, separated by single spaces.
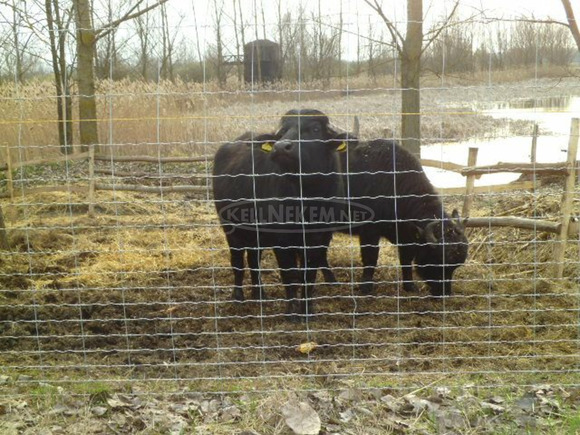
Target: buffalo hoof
pixel 409 286
pixel 367 289
pixel 238 295
pixel 298 312
pixel 329 276
pixel 259 295
pixel 439 291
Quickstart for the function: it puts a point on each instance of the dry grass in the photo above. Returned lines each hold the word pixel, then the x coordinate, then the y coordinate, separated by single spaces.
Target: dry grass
pixel 190 118
pixel 143 289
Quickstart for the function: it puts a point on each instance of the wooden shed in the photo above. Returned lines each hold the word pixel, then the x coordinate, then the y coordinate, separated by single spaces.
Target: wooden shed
pixel 262 61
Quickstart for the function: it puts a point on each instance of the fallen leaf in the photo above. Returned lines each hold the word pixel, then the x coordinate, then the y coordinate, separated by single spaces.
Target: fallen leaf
pixel 99 411
pixel 306 348
pixel 526 404
pixel 350 395
pixel 497 409
pixel 230 414
pixel 347 415
pixel 171 310
pixel 301 418
pixel 451 419
pixel 496 400
pixel 391 403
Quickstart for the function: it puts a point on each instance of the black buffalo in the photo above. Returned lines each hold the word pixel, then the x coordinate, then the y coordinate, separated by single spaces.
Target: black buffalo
pixel 268 189
pixel 384 177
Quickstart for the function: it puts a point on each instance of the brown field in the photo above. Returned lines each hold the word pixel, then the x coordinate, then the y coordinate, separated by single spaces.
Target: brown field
pixel 191 118
pixel 142 290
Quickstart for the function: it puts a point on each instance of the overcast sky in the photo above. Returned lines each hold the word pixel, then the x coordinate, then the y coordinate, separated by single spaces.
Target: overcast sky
pixel 357 15
pixel 394 8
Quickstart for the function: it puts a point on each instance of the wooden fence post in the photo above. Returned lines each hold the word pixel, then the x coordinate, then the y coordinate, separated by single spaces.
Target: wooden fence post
pixel 567 198
pixel 3 235
pixel 470 183
pixel 91 212
pixel 9 179
pixel 534 154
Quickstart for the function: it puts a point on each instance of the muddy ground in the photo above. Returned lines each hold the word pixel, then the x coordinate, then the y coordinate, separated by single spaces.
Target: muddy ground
pixel 137 301
pixel 131 295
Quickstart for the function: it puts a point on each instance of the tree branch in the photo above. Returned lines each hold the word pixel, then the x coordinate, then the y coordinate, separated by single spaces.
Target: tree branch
pixel 440 29
pixel 105 30
pixel 573 25
pixel 395 35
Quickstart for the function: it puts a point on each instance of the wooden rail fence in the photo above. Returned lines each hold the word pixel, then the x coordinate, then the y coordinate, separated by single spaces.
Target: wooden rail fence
pixel 566 228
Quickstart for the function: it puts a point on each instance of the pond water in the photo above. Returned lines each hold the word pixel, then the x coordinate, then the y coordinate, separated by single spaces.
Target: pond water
pixel 553 116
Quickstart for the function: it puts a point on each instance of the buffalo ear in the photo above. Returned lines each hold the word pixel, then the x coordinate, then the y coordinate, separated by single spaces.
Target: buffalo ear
pixel 457 220
pixel 425 234
pixel 342 141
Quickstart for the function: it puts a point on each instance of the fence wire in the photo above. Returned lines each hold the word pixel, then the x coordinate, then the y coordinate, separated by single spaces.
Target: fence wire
pixel 117 270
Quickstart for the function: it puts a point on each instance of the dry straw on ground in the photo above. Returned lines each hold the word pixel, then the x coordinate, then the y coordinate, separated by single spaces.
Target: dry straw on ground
pixel 148 281
pixel 142 290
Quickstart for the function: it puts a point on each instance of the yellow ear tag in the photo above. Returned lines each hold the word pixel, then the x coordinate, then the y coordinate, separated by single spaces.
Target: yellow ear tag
pixel 342 147
pixel 267 147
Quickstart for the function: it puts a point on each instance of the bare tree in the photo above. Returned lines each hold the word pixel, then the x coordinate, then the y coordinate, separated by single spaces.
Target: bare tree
pixel 198 45
pixel 572 23
pixel 58 21
pixel 410 49
pixel 87 37
pixel 54 33
pixel 242 25
pixel 238 49
pixel 108 57
pixel 18 45
pixel 220 67
pixel 143 24
pixel 168 45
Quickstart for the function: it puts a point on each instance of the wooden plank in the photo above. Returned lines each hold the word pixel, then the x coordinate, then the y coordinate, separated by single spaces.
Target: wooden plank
pixel 469 182
pixel 152 159
pixel 515 222
pixel 46 189
pixel 151 189
pixel 559 168
pixel 69 157
pixel 448 166
pixel 150 175
pixel 522 185
pixel 567 197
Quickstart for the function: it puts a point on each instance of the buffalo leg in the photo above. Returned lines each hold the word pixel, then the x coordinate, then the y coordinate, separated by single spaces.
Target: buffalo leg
pixel 406 256
pixel 311 261
pixel 369 249
pixel 289 274
pixel 237 262
pixel 327 272
pixel 254 257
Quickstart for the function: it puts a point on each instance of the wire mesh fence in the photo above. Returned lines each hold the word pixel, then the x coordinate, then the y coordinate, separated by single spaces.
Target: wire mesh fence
pixel 116 269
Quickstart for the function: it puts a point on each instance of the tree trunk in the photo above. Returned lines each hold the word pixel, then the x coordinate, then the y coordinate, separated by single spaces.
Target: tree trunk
pixel 410 78
pixel 572 24
pixel 85 75
pixel 57 37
